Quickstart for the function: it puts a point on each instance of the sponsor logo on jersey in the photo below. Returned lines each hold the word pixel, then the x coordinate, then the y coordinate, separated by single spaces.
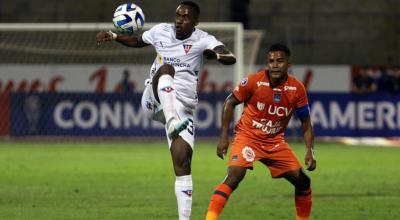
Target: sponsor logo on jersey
pixel 262 84
pixel 175 62
pixel 292 88
pixel 187 47
pixel 244 82
pixel 167 89
pixel 248 154
pixel 188 192
pixel 279 110
pixel 277 97
pixel 260 106
pixel 160 59
pixel 267 126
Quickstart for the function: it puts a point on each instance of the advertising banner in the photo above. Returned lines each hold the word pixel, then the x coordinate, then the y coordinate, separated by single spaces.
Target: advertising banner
pixel 111 114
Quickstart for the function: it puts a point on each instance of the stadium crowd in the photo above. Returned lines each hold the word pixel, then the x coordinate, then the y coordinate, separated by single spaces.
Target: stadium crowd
pixel 369 79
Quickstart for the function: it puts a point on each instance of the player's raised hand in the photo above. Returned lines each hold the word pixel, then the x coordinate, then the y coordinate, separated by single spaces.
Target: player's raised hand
pixel 310 160
pixel 222 147
pixel 103 36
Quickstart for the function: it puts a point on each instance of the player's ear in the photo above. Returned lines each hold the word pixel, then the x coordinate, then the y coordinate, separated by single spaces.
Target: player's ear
pixel 289 61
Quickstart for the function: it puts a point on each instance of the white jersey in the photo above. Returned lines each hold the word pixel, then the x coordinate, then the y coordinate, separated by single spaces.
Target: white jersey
pixel 186 56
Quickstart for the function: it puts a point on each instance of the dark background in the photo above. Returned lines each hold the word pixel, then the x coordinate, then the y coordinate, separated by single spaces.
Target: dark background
pixel 359 32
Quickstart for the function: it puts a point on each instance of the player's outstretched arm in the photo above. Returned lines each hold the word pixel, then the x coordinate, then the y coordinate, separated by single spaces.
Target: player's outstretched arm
pixel 127 40
pixel 308 134
pixel 222 54
pixel 227 116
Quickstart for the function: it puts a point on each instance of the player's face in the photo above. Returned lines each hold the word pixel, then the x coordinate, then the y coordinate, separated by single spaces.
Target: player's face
pixel 185 21
pixel 278 64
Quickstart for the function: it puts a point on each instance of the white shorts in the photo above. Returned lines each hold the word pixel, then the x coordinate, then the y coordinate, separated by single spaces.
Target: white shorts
pixel 153 109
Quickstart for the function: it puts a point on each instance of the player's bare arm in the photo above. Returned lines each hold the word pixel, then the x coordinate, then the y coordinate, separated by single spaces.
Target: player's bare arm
pixel 308 134
pixel 227 116
pixel 127 40
pixel 221 54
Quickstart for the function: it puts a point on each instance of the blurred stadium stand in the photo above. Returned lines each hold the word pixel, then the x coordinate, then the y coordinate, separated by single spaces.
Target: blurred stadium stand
pixel 319 32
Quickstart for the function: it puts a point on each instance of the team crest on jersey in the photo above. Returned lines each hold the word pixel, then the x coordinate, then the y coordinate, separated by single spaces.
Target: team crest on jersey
pixel 248 154
pixel 277 97
pixel 260 106
pixel 244 82
pixel 167 89
pixel 187 47
pixel 188 192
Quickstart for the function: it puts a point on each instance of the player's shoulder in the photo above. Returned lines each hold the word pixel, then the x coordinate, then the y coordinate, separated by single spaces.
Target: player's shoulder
pixel 256 78
pixel 163 27
pixel 294 82
pixel 259 76
pixel 201 33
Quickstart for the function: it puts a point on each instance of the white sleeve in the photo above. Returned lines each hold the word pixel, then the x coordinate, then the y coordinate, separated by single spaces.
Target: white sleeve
pixel 210 42
pixel 149 35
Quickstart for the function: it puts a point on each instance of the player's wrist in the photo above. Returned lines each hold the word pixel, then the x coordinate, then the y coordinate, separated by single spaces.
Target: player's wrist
pixel 311 150
pixel 218 56
pixel 112 35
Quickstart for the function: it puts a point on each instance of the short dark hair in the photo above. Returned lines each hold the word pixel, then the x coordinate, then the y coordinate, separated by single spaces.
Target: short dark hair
pixel 194 5
pixel 279 47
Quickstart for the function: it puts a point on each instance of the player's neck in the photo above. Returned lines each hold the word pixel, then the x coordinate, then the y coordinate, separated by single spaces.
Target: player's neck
pixel 277 82
pixel 184 36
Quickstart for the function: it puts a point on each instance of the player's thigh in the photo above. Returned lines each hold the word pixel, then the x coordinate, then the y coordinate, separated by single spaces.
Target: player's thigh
pixel 243 152
pixel 280 159
pixel 188 134
pixel 151 108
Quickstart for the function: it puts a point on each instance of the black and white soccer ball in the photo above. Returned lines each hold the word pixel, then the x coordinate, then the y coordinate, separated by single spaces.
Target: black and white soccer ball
pixel 128 18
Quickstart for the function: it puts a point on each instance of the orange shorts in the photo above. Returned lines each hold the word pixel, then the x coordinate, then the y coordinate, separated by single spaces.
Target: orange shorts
pixel 278 157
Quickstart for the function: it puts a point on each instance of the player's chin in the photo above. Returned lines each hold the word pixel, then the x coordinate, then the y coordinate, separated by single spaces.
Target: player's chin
pixel 276 75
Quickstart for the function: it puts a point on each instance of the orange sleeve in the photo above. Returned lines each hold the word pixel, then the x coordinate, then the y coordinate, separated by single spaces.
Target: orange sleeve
pixel 245 89
pixel 302 99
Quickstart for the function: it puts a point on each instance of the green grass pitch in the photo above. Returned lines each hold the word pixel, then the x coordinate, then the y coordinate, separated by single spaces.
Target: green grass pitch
pixel 134 180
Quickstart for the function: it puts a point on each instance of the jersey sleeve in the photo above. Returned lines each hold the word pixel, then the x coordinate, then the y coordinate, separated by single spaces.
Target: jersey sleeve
pixel 210 42
pixel 245 89
pixel 302 99
pixel 149 35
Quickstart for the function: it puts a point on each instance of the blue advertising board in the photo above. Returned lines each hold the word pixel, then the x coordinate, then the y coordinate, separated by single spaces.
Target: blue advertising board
pixel 96 114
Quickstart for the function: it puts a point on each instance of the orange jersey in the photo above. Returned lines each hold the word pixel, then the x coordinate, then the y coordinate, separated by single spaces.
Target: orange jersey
pixel 267 110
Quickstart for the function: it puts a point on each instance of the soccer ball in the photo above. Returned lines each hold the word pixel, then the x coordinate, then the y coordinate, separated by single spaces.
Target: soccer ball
pixel 128 18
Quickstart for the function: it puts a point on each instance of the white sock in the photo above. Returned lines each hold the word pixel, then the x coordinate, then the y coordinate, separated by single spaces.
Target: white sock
pixel 166 95
pixel 183 192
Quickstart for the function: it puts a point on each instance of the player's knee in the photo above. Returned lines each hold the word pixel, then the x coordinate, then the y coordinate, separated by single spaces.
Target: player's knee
pixel 233 181
pixel 166 69
pixel 181 162
pixel 303 183
pixel 182 167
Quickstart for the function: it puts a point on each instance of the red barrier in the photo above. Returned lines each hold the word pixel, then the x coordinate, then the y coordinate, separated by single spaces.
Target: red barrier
pixel 4 114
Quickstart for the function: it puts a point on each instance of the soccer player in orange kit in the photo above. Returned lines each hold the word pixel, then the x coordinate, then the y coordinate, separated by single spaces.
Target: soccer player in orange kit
pixel 270 97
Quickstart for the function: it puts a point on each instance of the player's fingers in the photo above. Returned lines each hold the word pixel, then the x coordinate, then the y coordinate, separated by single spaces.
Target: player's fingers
pixel 219 154
pixel 312 165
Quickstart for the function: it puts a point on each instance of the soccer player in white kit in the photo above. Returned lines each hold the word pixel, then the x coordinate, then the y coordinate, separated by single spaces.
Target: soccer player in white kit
pixel 170 95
